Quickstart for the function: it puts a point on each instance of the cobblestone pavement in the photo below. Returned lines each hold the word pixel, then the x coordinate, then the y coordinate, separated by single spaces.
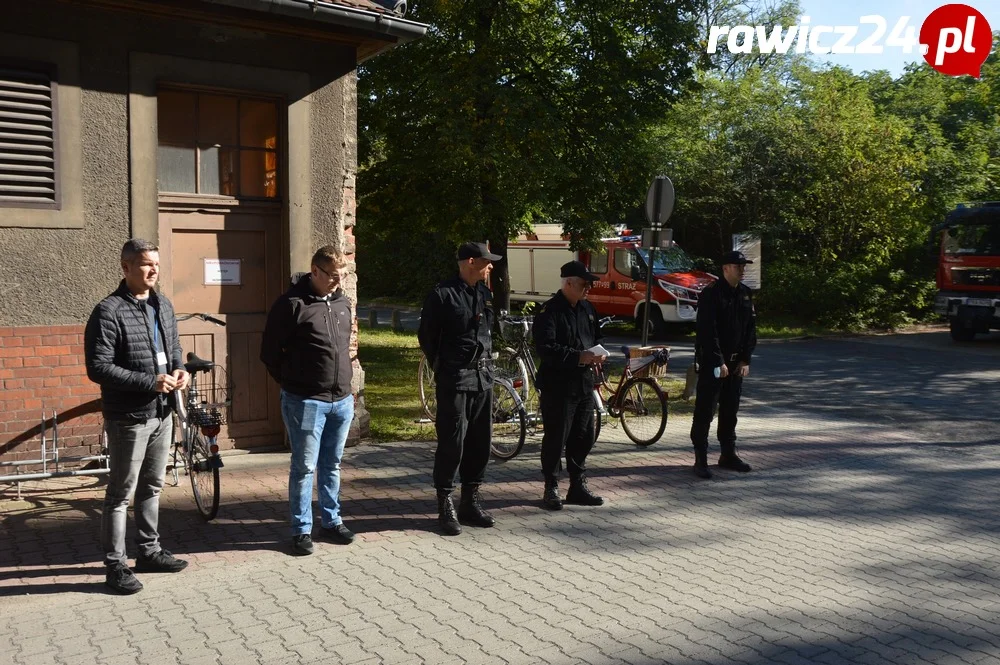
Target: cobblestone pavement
pixel 862 536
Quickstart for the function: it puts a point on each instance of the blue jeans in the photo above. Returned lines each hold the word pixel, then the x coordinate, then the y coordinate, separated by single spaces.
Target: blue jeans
pixel 317 432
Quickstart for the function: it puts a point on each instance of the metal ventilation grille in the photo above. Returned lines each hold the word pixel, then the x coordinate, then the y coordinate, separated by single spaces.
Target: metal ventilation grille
pixel 27 139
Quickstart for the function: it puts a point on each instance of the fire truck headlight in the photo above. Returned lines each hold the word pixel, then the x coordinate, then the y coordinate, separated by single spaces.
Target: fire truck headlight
pixel 674 290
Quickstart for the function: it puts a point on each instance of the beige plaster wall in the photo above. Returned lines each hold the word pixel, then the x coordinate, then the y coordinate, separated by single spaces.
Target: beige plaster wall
pixel 54 276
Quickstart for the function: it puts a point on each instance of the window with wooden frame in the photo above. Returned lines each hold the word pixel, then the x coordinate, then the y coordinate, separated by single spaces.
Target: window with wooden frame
pixel 29 173
pixel 210 143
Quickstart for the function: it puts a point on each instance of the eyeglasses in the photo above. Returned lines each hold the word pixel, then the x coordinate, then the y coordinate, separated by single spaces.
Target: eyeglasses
pixel 336 279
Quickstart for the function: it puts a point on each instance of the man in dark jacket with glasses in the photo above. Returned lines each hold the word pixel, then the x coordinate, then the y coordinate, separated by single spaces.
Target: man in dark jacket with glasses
pixel 306 348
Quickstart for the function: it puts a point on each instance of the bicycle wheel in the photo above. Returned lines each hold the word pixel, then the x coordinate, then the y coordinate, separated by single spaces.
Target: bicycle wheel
pixel 509 422
pixel 425 381
pixel 204 477
pixel 643 408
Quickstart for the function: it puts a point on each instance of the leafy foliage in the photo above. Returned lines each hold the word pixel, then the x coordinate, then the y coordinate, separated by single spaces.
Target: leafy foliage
pixel 508 113
pixel 524 111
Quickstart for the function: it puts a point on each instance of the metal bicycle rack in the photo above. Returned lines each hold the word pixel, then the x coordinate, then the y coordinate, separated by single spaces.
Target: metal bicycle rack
pixel 51 461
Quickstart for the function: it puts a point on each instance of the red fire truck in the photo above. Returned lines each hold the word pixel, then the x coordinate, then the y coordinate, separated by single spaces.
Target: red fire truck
pixel 534 261
pixel 968 274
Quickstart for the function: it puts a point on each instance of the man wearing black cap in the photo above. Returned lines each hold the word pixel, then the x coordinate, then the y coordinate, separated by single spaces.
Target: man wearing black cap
pixel 726 337
pixel 455 328
pixel 564 328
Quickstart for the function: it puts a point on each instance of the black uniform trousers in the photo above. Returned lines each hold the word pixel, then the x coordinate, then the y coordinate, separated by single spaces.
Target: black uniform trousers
pixel 568 420
pixel 464 424
pixel 726 392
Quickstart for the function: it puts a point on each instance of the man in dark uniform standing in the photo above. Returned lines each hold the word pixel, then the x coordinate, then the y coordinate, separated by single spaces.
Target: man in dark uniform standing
pixel 455 336
pixel 726 337
pixel 565 328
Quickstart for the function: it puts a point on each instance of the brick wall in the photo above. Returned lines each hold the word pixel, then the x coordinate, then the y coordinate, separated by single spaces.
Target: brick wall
pixel 41 371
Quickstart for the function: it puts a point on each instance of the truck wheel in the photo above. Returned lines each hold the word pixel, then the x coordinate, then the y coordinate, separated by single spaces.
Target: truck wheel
pixel 657 326
pixel 960 333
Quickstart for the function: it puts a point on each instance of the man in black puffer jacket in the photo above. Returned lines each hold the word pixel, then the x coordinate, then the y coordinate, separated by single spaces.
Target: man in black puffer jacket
pixel 306 348
pixel 133 352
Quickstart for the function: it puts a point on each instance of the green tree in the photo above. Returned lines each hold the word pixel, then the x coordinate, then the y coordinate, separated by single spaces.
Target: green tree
pixel 509 112
pixel 828 182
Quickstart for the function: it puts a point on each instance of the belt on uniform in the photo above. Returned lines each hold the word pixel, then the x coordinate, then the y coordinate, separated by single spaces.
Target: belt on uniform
pixel 732 357
pixel 481 364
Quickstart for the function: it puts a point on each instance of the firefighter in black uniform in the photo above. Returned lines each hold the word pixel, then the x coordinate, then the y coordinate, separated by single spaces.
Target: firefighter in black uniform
pixel 455 328
pixel 564 329
pixel 726 337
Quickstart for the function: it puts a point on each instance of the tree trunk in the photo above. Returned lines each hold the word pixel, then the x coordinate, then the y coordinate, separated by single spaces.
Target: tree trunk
pixel 500 277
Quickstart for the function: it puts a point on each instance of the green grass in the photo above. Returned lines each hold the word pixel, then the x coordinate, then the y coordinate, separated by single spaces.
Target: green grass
pixel 785 327
pixel 390 360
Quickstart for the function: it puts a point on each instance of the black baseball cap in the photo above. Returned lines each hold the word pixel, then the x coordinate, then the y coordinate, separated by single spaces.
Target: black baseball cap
pixel 735 257
pixel 476 250
pixel 577 269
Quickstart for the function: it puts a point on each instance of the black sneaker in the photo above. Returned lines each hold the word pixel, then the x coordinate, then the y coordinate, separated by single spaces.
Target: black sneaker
pixel 339 534
pixel 159 562
pixel 122 580
pixel 302 545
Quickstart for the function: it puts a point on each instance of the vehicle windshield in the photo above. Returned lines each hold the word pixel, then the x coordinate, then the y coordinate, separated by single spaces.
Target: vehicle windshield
pixel 973 240
pixel 673 259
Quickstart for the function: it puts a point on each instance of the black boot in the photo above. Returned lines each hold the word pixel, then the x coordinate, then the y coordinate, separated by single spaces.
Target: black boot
pixel 551 499
pixel 701 463
pixel 579 494
pixel 470 511
pixel 447 519
pixel 730 460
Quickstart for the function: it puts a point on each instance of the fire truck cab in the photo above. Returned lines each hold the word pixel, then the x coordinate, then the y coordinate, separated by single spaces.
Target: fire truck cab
pixel 622 269
pixel 968 274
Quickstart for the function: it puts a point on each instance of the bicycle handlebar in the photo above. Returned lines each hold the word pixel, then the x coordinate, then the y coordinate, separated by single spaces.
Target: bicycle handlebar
pixel 203 317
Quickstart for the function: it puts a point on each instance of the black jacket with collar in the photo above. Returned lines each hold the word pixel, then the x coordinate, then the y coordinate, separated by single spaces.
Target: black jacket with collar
pixel 120 357
pixel 561 332
pixel 726 324
pixel 306 343
pixel 456 325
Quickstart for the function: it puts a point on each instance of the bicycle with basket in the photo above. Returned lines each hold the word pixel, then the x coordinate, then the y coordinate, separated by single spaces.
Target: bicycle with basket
pixel 201 412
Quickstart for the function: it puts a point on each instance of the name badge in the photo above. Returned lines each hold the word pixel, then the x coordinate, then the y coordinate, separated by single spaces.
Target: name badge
pixel 161 358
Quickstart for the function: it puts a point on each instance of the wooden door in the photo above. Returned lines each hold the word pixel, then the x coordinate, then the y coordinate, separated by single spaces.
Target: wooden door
pixel 221 236
pixel 228 264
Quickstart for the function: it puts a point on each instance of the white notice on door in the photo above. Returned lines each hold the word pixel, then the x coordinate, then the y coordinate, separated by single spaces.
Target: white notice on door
pixel 222 272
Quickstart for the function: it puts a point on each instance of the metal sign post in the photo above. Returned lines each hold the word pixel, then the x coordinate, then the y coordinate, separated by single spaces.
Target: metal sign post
pixel 659 205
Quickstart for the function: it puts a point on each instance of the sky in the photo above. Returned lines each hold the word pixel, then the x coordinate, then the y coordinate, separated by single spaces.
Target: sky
pixel 848 12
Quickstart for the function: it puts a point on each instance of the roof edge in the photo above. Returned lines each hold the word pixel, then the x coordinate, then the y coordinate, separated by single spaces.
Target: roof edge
pixel 396 30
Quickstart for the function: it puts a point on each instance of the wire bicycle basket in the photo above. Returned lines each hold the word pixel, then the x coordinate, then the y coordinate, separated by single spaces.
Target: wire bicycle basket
pixel 516 330
pixel 213 399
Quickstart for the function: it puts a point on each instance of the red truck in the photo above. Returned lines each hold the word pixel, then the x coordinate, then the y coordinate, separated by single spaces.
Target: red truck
pixel 534 262
pixel 968 273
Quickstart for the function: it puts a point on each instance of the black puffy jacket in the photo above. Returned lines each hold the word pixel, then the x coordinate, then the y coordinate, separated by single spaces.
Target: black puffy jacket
pixel 306 343
pixel 120 357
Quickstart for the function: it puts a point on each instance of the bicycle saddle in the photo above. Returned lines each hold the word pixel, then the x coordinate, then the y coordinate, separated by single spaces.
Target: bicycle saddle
pixel 196 364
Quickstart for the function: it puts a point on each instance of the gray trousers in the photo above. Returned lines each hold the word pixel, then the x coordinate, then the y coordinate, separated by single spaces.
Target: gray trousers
pixel 138 454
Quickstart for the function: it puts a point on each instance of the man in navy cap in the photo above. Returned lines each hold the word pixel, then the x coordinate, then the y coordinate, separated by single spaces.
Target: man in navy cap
pixel 726 337
pixel 565 328
pixel 455 336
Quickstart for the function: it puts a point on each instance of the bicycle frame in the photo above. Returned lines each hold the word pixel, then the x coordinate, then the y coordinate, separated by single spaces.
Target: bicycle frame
pixel 604 384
